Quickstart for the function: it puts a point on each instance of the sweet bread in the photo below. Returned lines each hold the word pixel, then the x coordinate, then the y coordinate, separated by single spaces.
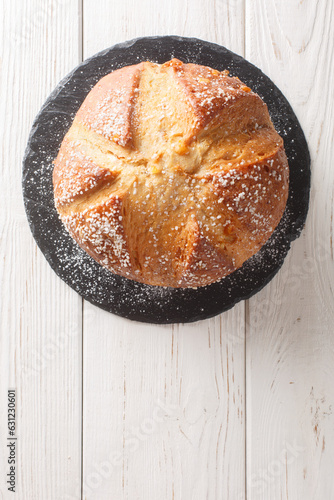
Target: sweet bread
pixel 171 175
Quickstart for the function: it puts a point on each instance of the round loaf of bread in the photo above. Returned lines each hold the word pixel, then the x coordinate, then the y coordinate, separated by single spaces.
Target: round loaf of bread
pixel 171 175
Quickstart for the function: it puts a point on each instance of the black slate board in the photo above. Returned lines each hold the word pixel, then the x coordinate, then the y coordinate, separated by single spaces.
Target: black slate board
pixel 119 295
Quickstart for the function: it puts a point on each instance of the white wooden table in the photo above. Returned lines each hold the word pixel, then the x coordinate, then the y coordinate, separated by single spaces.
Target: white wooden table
pixel 235 407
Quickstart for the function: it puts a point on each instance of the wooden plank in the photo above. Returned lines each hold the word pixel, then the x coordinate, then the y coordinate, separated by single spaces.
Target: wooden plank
pixel 170 403
pixel 163 407
pixel 218 21
pixel 290 343
pixel 40 342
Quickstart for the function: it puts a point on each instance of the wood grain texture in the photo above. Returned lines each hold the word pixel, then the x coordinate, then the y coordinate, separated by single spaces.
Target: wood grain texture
pixel 290 347
pixel 40 342
pixel 163 408
pixel 170 403
pixel 218 21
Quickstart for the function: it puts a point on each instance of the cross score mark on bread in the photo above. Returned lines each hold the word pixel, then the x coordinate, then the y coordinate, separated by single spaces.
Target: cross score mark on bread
pixel 171 175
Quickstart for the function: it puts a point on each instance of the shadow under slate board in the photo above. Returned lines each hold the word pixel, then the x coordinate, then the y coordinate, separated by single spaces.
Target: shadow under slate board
pixel 119 295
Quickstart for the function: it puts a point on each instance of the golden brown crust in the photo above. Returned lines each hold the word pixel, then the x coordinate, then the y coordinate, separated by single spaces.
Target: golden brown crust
pixel 77 174
pixel 171 175
pixel 108 107
pixel 200 260
pixel 214 95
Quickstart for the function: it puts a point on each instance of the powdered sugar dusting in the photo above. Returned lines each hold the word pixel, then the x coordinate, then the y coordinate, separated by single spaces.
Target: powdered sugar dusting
pixel 108 108
pixel 100 230
pixel 76 173
pixel 95 283
pixel 208 89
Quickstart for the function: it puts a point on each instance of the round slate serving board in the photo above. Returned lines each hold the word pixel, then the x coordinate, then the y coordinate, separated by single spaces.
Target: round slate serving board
pixel 119 295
